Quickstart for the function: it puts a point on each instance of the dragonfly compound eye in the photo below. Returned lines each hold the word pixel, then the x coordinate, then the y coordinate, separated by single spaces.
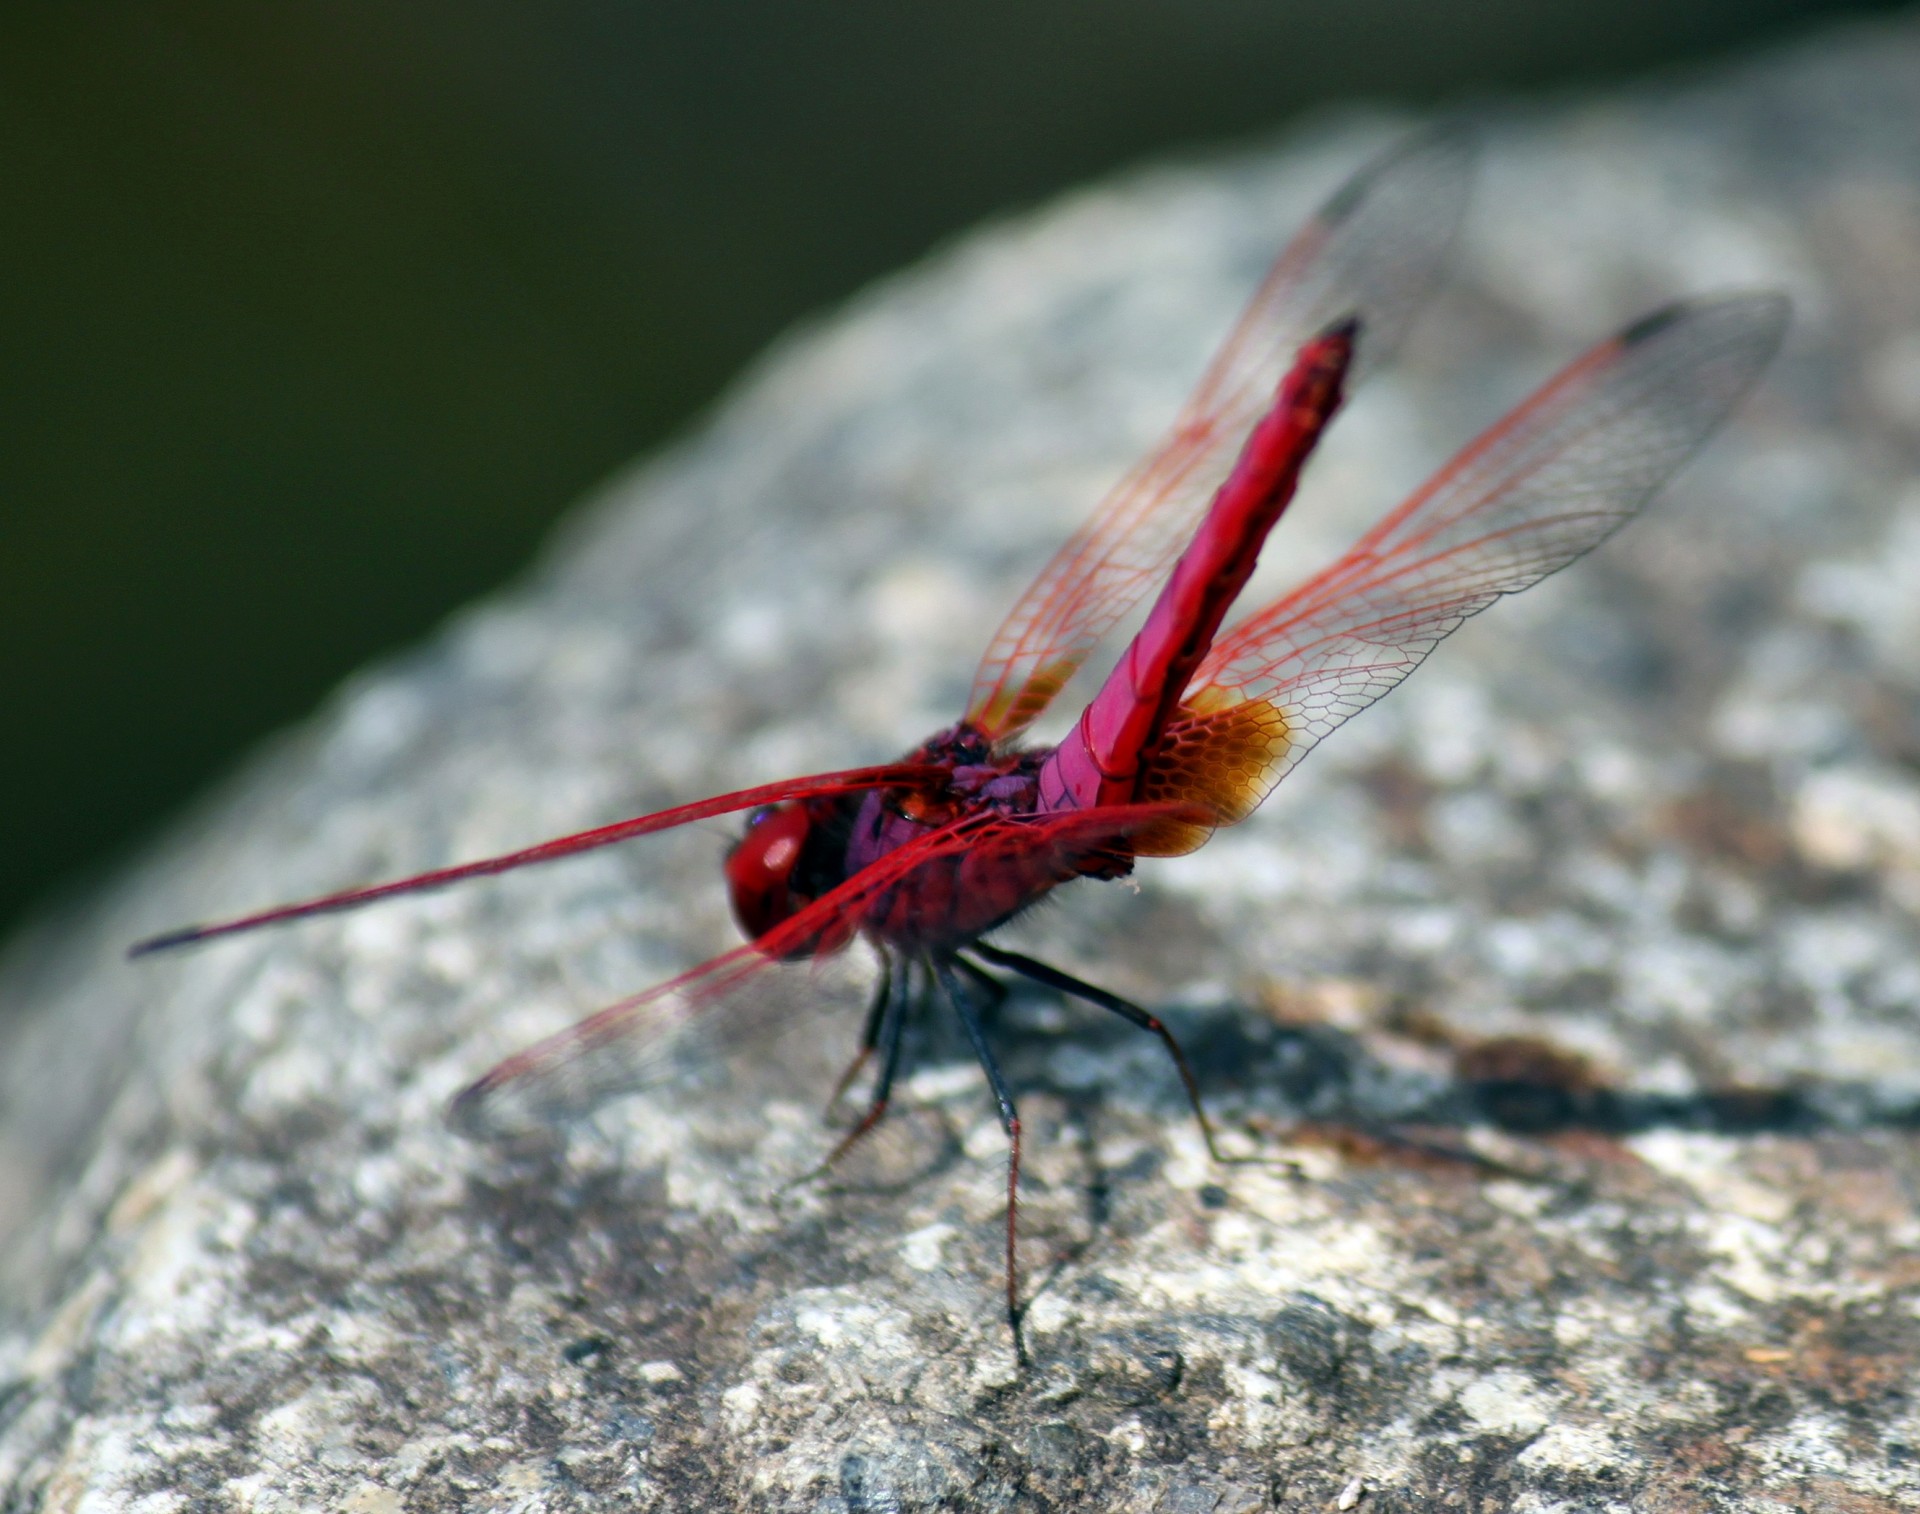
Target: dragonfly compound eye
pixel 760 868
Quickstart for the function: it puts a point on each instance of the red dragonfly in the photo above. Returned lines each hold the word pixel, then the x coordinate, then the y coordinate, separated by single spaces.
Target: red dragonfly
pixel 924 858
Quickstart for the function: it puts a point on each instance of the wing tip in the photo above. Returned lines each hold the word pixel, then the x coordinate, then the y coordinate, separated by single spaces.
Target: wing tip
pixel 1447 148
pixel 168 941
pixel 1764 312
pixel 467 1111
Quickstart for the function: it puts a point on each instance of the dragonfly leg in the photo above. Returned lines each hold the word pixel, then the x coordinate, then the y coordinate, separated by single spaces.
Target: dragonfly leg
pixel 995 990
pixel 869 1035
pixel 969 1014
pixel 887 1023
pixel 1066 983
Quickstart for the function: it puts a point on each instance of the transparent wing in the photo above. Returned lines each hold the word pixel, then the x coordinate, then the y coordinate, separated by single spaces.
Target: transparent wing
pixel 852 780
pixel 747 998
pixel 1552 480
pixel 1372 251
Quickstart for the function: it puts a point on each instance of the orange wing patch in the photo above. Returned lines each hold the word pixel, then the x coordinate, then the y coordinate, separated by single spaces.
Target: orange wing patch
pixel 1013 709
pixel 1219 751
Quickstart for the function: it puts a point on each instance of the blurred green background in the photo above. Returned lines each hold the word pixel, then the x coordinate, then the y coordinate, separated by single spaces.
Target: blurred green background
pixel 314 315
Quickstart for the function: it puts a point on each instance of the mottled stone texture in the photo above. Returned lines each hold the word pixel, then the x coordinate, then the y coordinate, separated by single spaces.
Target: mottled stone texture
pixel 1568 999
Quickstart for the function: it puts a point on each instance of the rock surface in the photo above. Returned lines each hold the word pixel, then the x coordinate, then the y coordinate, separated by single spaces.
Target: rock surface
pixel 1569 996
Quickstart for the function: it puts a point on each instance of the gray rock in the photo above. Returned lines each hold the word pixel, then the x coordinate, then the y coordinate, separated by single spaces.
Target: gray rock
pixel 1568 997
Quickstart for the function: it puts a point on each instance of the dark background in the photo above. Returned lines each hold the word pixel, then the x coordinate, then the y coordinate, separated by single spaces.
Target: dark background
pixel 314 315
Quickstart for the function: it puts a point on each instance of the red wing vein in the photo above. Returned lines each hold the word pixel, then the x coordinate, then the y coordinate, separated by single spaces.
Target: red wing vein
pixel 1551 481
pixel 742 997
pixel 1372 252
pixel 746 998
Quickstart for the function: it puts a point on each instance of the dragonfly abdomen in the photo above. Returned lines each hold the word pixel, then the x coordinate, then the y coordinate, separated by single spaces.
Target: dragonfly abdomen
pixel 1102 760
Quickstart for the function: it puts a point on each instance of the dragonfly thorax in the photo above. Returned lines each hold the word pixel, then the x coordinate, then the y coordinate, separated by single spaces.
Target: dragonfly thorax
pixel 799 850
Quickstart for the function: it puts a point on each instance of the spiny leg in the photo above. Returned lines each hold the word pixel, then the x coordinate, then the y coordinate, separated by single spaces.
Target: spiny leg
pixel 969 1014
pixel 1066 983
pixel 888 1024
pixel 869 1033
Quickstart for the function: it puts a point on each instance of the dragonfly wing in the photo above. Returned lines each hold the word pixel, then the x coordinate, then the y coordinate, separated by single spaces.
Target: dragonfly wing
pixel 852 780
pixel 733 1003
pixel 746 999
pixel 1372 251
pixel 1552 480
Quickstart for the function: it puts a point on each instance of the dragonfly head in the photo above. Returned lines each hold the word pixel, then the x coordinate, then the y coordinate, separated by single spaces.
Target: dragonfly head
pixel 761 865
